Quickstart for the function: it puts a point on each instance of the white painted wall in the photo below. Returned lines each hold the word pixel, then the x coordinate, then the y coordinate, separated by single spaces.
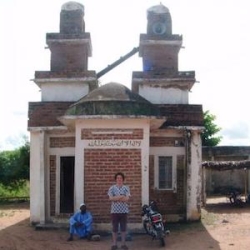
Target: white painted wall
pixel 39 173
pixel 159 95
pixel 194 178
pixel 63 91
pixel 79 166
pixel 34 177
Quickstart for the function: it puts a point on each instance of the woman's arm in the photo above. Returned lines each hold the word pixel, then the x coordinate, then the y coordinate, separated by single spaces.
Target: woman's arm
pixel 116 198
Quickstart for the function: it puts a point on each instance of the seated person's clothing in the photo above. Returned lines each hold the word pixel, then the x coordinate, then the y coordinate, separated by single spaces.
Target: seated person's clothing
pixel 81 230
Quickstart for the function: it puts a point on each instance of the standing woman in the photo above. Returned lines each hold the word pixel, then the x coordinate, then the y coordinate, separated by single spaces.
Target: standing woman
pixel 119 195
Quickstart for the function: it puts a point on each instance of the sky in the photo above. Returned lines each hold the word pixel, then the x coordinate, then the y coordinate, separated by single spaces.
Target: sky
pixel 216 45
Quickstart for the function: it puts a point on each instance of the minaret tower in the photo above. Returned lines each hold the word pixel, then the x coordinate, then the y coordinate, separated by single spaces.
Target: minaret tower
pixel 68 78
pixel 161 82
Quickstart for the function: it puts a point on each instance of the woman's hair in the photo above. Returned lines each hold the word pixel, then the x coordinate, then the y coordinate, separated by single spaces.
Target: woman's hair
pixel 121 174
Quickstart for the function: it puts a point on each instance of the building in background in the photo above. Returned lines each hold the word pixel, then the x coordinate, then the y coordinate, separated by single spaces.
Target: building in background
pixel 226 168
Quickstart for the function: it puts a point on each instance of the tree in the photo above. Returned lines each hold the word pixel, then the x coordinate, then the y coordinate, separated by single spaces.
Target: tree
pixel 211 129
pixel 14 166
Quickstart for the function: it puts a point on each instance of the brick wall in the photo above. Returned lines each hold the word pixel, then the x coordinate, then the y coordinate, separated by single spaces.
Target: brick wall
pixel 52 170
pixel 160 57
pixel 62 142
pixel 100 167
pixel 182 114
pixel 168 201
pixel 43 114
pixel 67 57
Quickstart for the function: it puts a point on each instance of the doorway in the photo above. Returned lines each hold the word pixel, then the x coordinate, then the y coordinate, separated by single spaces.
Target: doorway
pixel 67 180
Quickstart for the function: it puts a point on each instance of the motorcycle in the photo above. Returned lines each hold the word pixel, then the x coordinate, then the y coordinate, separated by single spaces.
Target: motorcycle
pixel 152 222
pixel 235 198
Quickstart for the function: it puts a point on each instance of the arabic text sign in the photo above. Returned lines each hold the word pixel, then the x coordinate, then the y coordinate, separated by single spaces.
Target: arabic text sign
pixel 114 143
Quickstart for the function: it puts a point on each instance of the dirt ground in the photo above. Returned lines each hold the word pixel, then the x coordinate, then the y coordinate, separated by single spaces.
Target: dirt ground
pixel 223 226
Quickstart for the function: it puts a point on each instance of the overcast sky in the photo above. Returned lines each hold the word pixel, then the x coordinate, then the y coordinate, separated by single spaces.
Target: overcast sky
pixel 216 41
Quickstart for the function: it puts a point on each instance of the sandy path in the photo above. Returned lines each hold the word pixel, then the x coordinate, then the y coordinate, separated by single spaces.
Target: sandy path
pixel 223 227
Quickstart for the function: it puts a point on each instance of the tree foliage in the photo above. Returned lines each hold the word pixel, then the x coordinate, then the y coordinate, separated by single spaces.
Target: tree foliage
pixel 14 166
pixel 211 129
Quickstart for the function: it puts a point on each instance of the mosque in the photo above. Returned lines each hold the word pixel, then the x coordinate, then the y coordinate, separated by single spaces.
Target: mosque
pixel 81 133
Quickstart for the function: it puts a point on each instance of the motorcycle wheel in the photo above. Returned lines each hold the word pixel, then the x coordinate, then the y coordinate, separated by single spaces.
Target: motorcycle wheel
pixel 160 236
pixel 162 241
pixel 147 227
pixel 239 202
pixel 231 199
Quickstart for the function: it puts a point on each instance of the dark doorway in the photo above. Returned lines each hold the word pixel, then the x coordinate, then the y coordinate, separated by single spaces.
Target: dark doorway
pixel 67 169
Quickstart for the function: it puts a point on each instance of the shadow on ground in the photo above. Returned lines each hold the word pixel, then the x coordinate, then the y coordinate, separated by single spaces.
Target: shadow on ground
pixel 222 205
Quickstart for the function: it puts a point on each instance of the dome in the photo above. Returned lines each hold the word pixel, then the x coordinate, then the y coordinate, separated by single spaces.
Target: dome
pixel 112 99
pixel 69 6
pixel 158 9
pixel 159 21
pixel 71 18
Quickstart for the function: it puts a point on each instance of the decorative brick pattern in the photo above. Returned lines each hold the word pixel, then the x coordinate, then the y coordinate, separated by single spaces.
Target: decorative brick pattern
pixel 62 142
pixel 166 141
pixel 112 134
pixel 52 170
pixel 100 168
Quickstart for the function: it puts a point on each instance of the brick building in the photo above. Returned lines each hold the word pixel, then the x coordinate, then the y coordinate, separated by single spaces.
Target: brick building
pixel 82 133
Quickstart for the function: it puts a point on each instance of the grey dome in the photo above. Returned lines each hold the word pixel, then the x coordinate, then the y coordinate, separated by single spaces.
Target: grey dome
pixel 69 6
pixel 113 99
pixel 158 9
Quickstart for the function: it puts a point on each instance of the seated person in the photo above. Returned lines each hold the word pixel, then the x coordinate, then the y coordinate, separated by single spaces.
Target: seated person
pixel 81 223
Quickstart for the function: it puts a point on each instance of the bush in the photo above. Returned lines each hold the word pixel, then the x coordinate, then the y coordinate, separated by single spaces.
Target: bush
pixel 14 167
pixel 22 191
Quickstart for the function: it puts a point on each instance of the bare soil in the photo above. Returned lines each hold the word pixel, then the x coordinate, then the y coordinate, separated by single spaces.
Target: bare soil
pixel 223 226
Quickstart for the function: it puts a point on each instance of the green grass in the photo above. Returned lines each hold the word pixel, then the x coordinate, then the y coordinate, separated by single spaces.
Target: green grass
pixel 22 191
